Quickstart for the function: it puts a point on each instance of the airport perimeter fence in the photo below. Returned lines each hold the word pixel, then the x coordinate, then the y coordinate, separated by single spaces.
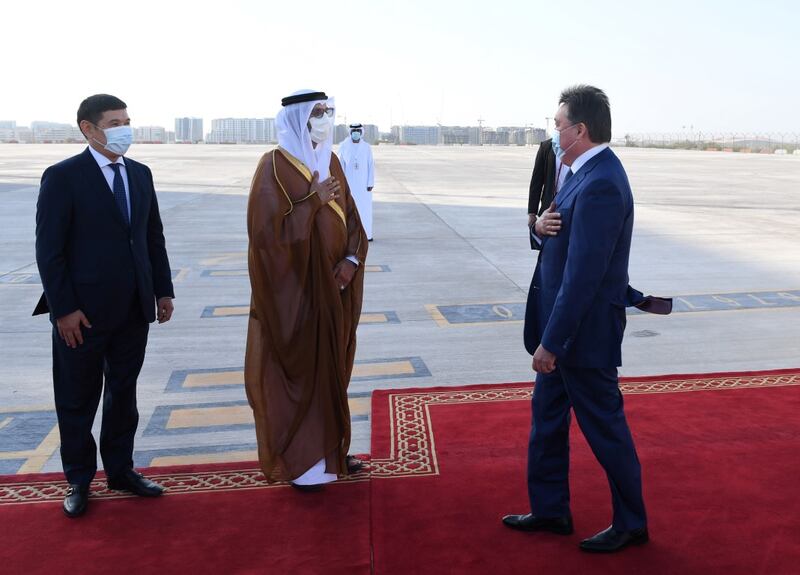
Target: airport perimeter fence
pixel 786 143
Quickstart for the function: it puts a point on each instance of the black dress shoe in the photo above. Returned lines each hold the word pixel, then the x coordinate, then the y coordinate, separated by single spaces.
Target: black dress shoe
pixel 611 540
pixel 136 483
pixel 528 522
pixel 313 488
pixel 76 501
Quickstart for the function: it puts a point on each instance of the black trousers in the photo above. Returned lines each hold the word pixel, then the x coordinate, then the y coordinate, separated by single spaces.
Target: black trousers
pixel 114 356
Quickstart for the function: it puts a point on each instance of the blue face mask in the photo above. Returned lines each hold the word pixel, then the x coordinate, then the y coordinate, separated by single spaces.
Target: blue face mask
pixel 118 139
pixel 557 144
pixel 356 136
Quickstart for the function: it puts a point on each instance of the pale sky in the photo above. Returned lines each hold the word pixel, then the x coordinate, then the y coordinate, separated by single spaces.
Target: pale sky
pixel 716 65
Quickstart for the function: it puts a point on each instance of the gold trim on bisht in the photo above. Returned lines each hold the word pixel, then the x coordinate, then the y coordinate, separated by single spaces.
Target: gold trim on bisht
pixel 280 185
pixel 303 169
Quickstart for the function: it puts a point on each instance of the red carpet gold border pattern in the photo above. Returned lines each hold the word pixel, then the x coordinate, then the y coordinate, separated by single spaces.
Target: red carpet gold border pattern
pixel 413 448
pixel 175 483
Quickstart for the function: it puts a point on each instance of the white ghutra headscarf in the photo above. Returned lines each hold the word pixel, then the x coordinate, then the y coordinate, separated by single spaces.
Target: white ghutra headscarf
pixel 293 136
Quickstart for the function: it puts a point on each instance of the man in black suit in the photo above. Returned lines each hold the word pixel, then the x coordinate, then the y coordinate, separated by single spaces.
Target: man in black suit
pixel 547 177
pixel 103 262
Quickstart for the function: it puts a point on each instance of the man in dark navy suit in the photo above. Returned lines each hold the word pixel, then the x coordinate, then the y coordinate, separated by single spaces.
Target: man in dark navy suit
pixel 103 262
pixel 574 323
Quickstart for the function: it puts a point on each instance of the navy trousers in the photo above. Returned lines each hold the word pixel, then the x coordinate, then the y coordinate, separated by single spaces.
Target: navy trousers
pixel 594 395
pixel 114 356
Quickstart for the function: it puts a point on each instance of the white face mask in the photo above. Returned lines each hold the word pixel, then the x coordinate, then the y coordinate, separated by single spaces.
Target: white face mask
pixel 320 129
pixel 118 139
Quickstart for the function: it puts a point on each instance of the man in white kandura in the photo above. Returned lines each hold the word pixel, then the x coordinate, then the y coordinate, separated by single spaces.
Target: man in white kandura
pixel 355 156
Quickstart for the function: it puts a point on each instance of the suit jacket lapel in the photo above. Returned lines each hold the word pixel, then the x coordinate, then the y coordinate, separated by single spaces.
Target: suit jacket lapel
pixel 575 181
pixel 96 184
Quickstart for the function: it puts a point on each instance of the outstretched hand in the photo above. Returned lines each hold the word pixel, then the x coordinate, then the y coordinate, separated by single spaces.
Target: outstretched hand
pixel 327 190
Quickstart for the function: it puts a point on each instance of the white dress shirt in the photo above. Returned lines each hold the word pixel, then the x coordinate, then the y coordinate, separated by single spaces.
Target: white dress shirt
pixel 105 167
pixel 561 174
pixel 581 160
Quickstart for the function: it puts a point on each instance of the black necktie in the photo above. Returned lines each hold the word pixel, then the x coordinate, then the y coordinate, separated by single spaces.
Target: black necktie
pixel 119 193
pixel 568 176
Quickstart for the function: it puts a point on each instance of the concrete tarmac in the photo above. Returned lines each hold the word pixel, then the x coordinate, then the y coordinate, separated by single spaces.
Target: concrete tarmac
pixel 446 282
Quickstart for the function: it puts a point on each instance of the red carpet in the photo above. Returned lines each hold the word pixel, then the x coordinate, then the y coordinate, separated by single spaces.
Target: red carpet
pixel 214 520
pixel 721 473
pixel 720 463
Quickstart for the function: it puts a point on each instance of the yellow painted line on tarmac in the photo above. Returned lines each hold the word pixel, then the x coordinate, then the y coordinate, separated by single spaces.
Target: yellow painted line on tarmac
pixel 228 273
pixel 225 258
pixel 359 405
pixel 242 273
pixel 437 315
pixel 17 454
pixel 209 416
pixel 236 376
pixel 181 275
pixel 231 310
pixel 373 318
pixel 214 379
pixel 43 453
pixel 200 417
pixel 220 457
pixel 383 368
pixel 240 310
pixel 24 408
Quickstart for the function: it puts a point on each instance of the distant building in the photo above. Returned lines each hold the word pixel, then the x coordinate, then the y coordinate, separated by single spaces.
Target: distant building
pixel 24 135
pixel 242 131
pixel 457 136
pixel 417 135
pixel 150 135
pixel 53 132
pixel 371 133
pixel 535 136
pixel 513 135
pixel 340 132
pixel 188 130
pixel 495 137
pixel 465 135
pixel 8 131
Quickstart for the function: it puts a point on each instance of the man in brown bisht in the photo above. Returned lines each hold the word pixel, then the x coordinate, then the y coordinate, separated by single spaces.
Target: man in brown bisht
pixel 306 261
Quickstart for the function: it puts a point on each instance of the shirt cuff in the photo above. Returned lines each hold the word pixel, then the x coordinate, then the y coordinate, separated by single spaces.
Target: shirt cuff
pixel 353 259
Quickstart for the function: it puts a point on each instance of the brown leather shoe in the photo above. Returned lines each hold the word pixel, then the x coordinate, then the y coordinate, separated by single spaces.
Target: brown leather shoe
pixel 529 522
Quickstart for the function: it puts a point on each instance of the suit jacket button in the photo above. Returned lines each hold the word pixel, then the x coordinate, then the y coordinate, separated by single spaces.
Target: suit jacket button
pixel 131 241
